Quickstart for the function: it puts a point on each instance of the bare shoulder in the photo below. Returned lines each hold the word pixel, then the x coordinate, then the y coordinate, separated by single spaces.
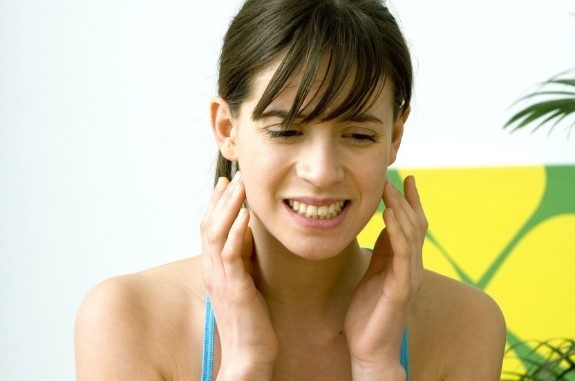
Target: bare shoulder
pixel 458 330
pixel 142 325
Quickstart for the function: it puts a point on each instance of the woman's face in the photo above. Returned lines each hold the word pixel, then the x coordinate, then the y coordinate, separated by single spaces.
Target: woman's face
pixel 331 172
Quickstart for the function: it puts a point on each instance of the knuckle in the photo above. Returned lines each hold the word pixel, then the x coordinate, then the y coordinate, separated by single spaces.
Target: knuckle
pixel 402 295
pixel 417 283
pixel 208 279
pixel 228 257
pixel 213 236
pixel 425 223
pixel 205 224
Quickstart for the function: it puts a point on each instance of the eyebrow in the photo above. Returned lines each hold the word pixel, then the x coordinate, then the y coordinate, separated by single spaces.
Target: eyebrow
pixel 360 118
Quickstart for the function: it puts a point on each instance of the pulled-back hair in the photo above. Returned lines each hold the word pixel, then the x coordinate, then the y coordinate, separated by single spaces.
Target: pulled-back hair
pixel 361 38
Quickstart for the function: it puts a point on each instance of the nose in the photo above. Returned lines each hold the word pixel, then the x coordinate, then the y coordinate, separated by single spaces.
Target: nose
pixel 320 164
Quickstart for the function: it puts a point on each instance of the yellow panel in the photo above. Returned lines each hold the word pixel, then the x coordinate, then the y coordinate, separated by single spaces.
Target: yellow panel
pixel 535 287
pixel 474 212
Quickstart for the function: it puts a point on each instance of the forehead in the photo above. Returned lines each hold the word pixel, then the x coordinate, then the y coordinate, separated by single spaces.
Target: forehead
pixel 380 102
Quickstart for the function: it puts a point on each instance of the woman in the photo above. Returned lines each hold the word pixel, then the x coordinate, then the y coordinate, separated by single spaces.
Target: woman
pixel 313 98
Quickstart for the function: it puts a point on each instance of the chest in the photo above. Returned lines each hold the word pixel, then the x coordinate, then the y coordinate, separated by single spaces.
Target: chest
pixel 313 361
pixel 306 359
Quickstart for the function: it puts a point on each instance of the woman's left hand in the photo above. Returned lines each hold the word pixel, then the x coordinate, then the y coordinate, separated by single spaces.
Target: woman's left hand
pixel 378 311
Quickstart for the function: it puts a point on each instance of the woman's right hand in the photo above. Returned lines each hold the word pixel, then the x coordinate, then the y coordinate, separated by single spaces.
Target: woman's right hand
pixel 249 343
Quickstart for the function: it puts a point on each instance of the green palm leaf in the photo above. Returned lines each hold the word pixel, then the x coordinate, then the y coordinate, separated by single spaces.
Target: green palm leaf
pixel 555 360
pixel 555 102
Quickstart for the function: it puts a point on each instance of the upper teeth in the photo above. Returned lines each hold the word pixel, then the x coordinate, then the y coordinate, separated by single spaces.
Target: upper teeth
pixel 322 212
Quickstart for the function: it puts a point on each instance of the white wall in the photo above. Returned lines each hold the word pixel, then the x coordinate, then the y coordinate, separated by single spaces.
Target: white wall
pixel 106 157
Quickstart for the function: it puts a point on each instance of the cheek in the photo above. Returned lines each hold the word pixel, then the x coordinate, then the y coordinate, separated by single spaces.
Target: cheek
pixel 262 170
pixel 373 181
pixel 375 174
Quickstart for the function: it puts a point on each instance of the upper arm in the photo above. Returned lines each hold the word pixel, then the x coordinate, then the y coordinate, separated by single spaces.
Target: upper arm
pixel 481 336
pixel 111 335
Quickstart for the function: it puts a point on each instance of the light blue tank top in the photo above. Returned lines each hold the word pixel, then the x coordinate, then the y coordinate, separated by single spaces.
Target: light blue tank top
pixel 208 350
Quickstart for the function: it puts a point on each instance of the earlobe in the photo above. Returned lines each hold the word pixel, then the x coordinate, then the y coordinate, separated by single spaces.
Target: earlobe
pixel 223 127
pixel 397 134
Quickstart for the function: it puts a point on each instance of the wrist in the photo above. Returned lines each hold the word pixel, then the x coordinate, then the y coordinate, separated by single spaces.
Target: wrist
pixel 370 372
pixel 247 372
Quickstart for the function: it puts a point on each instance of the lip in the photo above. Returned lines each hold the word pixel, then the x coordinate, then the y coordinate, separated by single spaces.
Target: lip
pixel 316 223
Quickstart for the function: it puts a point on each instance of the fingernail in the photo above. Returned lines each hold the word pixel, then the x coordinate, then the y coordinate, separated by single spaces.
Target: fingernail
pixel 237 176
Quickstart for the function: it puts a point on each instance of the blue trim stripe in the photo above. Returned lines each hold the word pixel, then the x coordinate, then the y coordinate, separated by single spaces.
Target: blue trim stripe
pixel 208 350
pixel 404 357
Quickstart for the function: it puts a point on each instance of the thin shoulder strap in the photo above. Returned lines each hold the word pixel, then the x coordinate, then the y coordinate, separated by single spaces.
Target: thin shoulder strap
pixel 208 350
pixel 404 357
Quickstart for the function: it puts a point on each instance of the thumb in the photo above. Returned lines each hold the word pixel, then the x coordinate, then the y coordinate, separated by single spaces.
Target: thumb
pixel 380 256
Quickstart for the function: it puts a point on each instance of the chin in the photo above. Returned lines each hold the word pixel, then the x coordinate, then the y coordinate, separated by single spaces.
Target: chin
pixel 316 249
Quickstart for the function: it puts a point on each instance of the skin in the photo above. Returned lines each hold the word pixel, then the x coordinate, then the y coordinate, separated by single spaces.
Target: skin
pixel 293 299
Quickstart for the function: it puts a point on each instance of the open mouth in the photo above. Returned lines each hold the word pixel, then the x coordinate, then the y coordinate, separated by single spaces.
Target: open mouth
pixel 323 212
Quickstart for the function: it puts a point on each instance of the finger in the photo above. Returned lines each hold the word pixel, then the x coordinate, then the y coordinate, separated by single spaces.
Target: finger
pixel 380 256
pixel 411 193
pixel 218 222
pixel 382 250
pixel 404 268
pixel 403 212
pixel 216 194
pixel 222 205
pixel 208 258
pixel 401 262
pixel 224 213
pixel 220 187
pixel 412 196
pixel 404 202
pixel 232 251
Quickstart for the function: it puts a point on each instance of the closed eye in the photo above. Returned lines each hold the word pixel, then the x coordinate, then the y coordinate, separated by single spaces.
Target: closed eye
pixel 361 138
pixel 283 134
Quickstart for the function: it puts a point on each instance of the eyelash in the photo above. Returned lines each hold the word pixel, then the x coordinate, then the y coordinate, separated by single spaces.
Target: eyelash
pixel 363 138
pixel 283 134
pixel 286 134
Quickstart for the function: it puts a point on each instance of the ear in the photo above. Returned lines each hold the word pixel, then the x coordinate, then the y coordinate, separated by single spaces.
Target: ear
pixel 224 127
pixel 397 134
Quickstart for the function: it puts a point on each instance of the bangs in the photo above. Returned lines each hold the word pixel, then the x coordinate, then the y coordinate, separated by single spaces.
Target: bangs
pixel 357 64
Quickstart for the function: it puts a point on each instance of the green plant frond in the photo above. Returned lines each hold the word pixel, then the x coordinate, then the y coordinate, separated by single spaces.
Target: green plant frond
pixel 564 106
pixel 518 376
pixel 561 89
pixel 557 363
pixel 569 129
pixel 549 118
pixel 567 372
pixel 557 122
pixel 533 109
pixel 541 93
pixel 567 82
pixel 561 75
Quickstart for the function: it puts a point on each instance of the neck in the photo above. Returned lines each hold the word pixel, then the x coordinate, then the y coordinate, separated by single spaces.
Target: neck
pixel 290 283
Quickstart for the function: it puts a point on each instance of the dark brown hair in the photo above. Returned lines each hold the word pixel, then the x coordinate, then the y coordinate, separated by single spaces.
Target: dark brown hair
pixel 361 38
